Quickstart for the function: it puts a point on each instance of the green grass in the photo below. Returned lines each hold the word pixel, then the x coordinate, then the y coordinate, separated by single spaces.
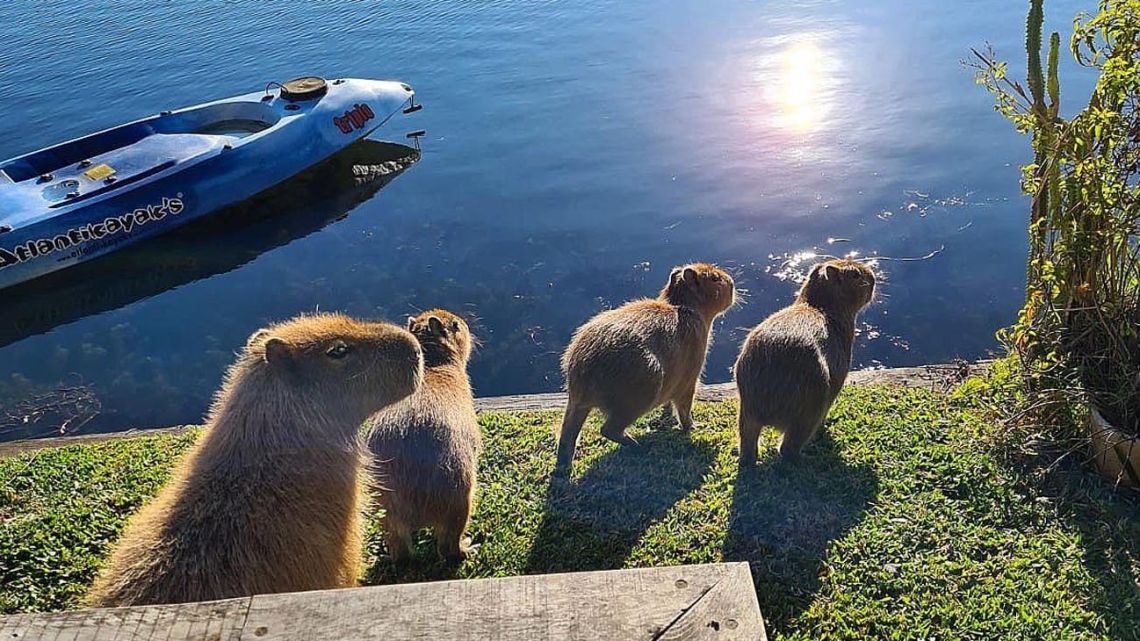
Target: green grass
pixel 901 523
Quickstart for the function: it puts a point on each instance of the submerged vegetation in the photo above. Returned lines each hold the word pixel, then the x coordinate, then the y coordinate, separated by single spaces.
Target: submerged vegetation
pixel 1078 334
pixel 902 521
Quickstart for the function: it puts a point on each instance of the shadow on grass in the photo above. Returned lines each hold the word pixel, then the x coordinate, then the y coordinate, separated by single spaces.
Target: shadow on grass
pixel 1110 536
pixel 594 523
pixel 1108 520
pixel 784 515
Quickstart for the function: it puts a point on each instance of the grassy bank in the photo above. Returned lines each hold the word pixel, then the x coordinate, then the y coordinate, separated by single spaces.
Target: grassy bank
pixel 900 523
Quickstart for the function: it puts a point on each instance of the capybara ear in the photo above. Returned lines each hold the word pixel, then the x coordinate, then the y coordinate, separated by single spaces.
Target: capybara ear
pixel 830 271
pixel 455 326
pixel 689 275
pixel 277 351
pixel 411 323
pixel 435 325
pixel 257 337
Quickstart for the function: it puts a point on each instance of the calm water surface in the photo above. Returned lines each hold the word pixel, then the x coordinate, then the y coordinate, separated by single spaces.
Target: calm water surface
pixel 576 151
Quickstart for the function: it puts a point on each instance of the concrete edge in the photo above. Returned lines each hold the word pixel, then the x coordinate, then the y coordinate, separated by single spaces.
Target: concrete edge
pixel 940 376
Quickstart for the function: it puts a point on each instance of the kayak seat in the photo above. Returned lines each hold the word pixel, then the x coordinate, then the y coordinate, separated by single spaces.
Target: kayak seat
pixel 52 159
pixel 233 119
pixel 237 128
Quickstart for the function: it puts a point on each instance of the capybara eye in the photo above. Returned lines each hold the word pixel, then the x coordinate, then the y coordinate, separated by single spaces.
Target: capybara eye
pixel 339 350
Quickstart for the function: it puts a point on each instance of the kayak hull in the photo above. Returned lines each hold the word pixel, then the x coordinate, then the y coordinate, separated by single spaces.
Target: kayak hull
pixel 73 202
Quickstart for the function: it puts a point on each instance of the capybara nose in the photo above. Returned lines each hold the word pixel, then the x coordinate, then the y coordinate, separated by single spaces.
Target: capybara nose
pixel 402 350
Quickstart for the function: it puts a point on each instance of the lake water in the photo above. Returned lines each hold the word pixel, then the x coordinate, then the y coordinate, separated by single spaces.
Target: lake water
pixel 576 151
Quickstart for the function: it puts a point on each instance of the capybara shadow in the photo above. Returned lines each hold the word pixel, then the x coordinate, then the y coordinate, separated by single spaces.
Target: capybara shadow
pixel 785 514
pixel 594 522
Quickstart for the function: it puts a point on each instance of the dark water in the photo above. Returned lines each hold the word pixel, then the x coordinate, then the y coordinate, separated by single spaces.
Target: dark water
pixel 575 152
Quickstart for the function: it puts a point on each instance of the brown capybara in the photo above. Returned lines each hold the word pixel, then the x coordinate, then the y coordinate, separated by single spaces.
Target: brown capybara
pixel 646 353
pixel 270 498
pixel 793 365
pixel 426 447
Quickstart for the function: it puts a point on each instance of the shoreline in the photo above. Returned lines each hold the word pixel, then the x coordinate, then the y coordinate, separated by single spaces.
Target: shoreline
pixel 932 376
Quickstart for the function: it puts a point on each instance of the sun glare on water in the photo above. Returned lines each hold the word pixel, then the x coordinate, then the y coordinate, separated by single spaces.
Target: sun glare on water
pixel 799 90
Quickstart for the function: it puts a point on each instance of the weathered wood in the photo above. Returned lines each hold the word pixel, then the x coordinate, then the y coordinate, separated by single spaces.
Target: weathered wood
pixel 715 601
pixel 626 604
pixel 212 621
pixel 727 606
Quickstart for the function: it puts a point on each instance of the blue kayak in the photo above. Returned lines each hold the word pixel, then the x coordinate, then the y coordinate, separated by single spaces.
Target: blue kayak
pixel 72 202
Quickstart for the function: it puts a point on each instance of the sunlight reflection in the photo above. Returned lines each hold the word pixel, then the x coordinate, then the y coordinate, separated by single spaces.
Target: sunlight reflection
pixel 800 87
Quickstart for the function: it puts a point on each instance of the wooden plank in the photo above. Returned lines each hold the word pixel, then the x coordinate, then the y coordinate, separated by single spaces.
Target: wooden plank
pixel 728 606
pixel 715 601
pixel 212 621
pixel 685 602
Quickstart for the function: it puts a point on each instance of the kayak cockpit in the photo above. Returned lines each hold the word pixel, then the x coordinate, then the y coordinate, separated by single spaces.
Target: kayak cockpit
pixel 235 128
pixel 238 119
pixel 231 120
pixel 115 159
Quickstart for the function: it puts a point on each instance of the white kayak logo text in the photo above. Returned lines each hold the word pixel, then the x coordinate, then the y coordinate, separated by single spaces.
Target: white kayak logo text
pixel 122 224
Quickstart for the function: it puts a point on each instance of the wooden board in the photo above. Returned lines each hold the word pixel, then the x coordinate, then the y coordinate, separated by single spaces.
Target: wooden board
pixel 714 601
pixel 214 620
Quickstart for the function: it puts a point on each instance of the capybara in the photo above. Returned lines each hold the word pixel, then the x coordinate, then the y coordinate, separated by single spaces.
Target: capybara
pixel 793 365
pixel 426 447
pixel 646 353
pixel 270 498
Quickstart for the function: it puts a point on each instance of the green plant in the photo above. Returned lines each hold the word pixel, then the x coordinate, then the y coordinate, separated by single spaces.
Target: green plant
pixel 1078 330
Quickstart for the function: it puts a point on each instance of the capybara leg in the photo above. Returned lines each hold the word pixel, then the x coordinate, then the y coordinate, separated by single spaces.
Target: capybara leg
pixel 749 429
pixel 572 422
pixel 449 539
pixel 614 429
pixel 795 437
pixel 684 404
pixel 399 539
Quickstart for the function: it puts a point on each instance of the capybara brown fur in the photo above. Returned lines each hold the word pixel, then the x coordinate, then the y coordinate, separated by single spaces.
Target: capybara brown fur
pixel 793 365
pixel 270 498
pixel 426 447
pixel 646 353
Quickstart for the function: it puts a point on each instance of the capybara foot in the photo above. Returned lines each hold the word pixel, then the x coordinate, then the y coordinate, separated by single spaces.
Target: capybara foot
pixel 790 449
pixel 457 553
pixel 399 552
pixel 466 551
pixel 625 440
pixel 397 559
pixel 746 460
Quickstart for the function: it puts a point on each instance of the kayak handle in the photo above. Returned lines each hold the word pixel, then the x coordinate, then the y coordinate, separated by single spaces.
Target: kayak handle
pixel 414 136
